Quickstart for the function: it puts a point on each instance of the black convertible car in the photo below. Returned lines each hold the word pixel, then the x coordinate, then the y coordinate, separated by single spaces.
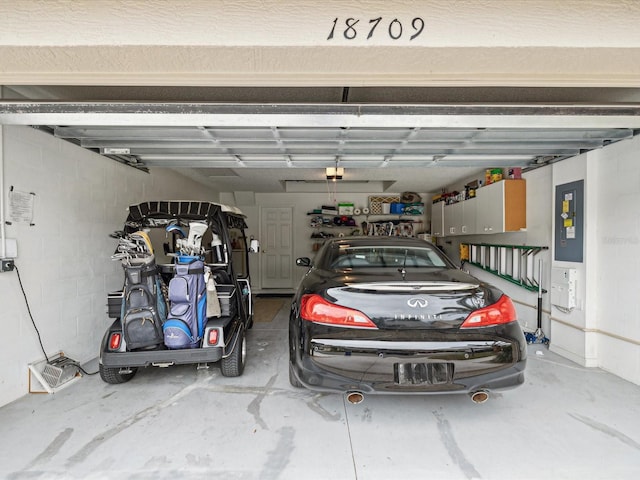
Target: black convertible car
pixel 395 315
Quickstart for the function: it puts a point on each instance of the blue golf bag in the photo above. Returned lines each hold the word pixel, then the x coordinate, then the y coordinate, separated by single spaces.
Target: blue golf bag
pixel 187 317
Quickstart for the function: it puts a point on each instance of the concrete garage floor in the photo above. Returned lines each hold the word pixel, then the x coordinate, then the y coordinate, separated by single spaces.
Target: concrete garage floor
pixel 565 422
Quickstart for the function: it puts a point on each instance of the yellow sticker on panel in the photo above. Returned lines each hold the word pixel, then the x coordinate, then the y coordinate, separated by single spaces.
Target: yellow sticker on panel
pixel 565 206
pixel 568 222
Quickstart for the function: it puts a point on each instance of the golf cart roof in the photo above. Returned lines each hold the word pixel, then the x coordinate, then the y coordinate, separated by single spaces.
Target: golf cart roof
pixel 161 213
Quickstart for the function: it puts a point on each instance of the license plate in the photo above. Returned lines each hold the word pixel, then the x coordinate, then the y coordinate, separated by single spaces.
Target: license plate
pixel 435 373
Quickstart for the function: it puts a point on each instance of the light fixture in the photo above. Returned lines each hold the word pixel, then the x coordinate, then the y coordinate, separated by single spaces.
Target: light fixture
pixel 115 151
pixel 334 173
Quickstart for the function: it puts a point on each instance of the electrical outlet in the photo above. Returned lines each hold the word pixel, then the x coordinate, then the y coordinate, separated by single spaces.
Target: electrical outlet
pixel 7 265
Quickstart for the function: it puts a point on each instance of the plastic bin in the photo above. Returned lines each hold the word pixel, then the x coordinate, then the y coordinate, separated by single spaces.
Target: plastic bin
pixel 227 298
pixel 397 208
pixel 114 303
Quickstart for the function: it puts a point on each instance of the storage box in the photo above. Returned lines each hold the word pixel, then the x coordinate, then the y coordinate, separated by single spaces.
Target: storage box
pixel 376 201
pixel 345 209
pixel 227 298
pixel 492 175
pixel 514 173
pixel 397 208
pixel 114 303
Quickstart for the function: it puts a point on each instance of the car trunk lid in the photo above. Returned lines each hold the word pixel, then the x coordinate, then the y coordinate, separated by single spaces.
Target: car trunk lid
pixel 440 303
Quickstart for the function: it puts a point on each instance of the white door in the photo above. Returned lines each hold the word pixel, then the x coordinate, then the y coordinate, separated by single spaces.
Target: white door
pixel 276 247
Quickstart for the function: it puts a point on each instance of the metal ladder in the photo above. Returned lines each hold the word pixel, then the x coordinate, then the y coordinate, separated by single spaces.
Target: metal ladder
pixel 514 263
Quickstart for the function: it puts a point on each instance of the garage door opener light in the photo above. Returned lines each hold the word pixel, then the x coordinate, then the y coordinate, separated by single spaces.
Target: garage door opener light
pixel 334 173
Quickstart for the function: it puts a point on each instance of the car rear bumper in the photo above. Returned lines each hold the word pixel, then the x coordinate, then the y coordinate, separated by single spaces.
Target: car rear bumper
pixel 410 363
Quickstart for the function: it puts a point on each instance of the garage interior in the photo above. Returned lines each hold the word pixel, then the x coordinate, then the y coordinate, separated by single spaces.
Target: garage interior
pixel 89 139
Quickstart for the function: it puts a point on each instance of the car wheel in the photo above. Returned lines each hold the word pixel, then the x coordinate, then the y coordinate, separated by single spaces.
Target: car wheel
pixel 233 365
pixel 293 380
pixel 113 375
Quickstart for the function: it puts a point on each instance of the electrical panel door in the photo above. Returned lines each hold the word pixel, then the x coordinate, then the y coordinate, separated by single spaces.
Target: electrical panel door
pixel 569 221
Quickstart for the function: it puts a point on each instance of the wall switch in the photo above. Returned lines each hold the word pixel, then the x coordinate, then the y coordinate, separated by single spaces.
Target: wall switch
pixel 7 265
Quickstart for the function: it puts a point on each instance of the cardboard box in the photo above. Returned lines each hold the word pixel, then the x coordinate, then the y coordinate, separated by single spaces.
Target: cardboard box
pixel 345 209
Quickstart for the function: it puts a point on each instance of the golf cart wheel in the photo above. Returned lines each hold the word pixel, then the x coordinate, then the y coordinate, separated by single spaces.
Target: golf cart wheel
pixel 233 365
pixel 293 380
pixel 113 375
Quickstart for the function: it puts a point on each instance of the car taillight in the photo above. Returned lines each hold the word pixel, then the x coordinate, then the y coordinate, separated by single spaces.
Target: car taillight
pixel 114 341
pixel 213 337
pixel 314 308
pixel 500 312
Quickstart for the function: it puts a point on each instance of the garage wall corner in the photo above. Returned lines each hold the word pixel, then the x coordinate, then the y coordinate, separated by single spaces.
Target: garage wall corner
pixel 64 257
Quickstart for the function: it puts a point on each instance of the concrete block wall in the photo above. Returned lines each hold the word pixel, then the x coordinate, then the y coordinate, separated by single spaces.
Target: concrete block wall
pixel 64 259
pixel 614 244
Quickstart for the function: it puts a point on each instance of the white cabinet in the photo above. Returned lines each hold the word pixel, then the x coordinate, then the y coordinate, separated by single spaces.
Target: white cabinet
pixel 496 208
pixel 460 218
pixel 437 219
pixel 453 218
pixel 469 217
pixel 502 207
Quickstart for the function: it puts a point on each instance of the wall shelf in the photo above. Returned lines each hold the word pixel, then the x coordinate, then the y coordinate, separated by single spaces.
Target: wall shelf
pixel 369 224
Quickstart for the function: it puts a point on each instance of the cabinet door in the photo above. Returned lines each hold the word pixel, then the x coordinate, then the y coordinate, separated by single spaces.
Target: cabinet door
pixel 453 219
pixel 490 218
pixel 515 205
pixel 469 213
pixel 437 219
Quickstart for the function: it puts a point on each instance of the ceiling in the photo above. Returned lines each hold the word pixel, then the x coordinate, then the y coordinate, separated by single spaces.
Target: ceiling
pixel 275 139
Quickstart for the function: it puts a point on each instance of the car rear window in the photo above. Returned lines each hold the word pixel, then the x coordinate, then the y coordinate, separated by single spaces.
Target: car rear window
pixel 383 257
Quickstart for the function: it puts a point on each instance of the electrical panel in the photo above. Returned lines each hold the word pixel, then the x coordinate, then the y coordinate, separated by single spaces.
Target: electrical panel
pixel 569 222
pixel 563 287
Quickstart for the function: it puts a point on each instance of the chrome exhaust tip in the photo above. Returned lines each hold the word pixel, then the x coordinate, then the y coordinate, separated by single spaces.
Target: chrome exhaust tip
pixel 354 398
pixel 480 396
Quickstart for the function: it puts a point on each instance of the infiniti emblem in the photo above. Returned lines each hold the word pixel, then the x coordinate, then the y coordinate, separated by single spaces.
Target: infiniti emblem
pixel 416 302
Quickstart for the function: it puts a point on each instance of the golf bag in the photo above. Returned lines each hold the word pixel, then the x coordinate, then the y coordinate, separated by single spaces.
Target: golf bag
pixel 187 304
pixel 144 309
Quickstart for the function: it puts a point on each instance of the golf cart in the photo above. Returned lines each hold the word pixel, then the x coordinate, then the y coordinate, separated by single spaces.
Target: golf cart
pixel 186 297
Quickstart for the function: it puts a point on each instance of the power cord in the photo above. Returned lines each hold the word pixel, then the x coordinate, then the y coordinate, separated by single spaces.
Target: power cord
pixel 36 327
pixel 83 370
pixel 29 310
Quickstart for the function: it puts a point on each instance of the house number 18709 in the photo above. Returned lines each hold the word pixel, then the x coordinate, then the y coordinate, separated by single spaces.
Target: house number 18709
pixel 351 27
